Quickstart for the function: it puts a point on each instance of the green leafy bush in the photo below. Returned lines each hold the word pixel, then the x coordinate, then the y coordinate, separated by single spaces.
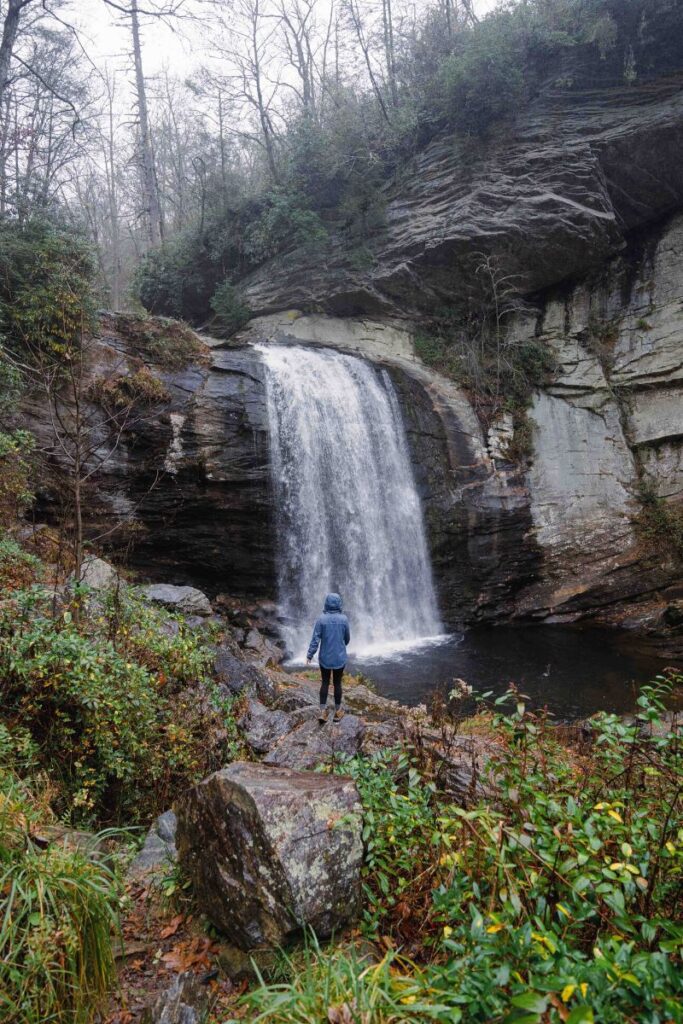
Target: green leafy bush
pixel 560 900
pixel 567 893
pixel 660 522
pixel 58 911
pixel 488 76
pixel 45 288
pixel 178 279
pixel 18 568
pixel 120 720
pixel 283 224
pixel 399 826
pixel 11 384
pixel 231 311
pixel 15 472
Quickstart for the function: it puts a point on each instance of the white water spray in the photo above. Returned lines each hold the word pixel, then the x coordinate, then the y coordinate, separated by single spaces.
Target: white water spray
pixel 349 515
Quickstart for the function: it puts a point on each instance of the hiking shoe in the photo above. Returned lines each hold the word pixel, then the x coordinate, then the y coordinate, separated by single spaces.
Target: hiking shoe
pixel 323 715
pixel 338 715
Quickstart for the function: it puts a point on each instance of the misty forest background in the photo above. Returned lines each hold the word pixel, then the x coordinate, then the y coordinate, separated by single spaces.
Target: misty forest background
pixel 283 134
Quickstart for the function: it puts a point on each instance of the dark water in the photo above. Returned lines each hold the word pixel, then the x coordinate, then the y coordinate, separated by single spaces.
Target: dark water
pixel 574 670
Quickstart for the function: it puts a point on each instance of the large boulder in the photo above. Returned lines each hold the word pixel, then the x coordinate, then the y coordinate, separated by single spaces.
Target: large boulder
pixel 271 851
pixel 263 727
pixel 260 649
pixel 187 600
pixel 97 574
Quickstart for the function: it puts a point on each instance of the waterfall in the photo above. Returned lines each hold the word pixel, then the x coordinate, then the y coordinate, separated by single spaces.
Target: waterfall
pixel 348 513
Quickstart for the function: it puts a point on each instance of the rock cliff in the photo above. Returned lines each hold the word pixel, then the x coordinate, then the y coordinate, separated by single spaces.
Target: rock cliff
pixel 580 200
pixel 552 196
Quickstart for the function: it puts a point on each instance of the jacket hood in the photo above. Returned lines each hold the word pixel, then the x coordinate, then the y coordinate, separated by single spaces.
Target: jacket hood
pixel 333 603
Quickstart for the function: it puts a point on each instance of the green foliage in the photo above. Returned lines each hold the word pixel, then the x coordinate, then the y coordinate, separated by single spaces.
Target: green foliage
pixel 188 277
pixel 339 986
pixel 231 311
pixel 660 522
pixel 567 891
pixel 121 709
pixel 59 908
pixel 18 568
pixel 166 343
pixel 399 823
pixel 558 901
pixel 178 279
pixel 11 384
pixel 500 371
pixel 45 288
pixel 15 470
pixel 282 225
pixel 488 76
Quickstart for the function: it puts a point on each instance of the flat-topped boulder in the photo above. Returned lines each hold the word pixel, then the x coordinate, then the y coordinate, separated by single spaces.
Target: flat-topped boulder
pixel 187 600
pixel 311 743
pixel 271 851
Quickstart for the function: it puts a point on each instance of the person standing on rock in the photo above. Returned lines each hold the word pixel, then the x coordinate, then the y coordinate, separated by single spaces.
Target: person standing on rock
pixel 332 634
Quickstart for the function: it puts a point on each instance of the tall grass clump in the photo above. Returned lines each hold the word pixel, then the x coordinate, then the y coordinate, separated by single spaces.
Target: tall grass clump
pixel 343 988
pixel 59 908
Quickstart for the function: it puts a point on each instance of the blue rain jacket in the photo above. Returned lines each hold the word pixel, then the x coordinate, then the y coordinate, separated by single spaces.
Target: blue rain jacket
pixel 332 633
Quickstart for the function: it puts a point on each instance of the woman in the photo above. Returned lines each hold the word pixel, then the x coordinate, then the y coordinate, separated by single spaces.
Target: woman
pixel 331 632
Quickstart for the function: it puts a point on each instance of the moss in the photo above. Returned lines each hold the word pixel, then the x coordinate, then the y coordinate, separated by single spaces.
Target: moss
pixel 659 523
pixel 169 344
pixel 521 445
pixel 601 339
pixel 137 389
pixel 500 377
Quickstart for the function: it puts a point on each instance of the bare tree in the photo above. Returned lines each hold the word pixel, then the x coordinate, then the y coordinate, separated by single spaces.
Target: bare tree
pixel 252 79
pixel 355 17
pixel 10 31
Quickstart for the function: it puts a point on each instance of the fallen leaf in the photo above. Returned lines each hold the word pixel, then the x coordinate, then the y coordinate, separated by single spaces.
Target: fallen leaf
pixel 131 948
pixel 172 927
pixel 185 955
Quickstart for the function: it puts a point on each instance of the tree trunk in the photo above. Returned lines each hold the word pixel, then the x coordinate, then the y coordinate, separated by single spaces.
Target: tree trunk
pixel 264 117
pixel 10 29
pixel 150 185
pixel 388 25
pixel 221 130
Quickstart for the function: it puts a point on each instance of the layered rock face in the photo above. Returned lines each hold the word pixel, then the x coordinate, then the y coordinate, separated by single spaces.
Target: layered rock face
pixel 183 490
pixel 609 427
pixel 552 196
pixel 553 538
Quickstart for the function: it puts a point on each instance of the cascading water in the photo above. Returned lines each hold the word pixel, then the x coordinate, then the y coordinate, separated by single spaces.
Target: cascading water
pixel 349 516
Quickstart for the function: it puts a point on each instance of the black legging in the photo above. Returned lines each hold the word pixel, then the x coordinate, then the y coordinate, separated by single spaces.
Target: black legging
pixel 336 674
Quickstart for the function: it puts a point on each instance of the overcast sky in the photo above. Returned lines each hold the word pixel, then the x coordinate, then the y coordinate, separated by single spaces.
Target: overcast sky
pixel 180 51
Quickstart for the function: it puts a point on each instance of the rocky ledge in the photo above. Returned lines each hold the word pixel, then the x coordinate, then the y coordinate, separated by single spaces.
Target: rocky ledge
pixel 557 193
